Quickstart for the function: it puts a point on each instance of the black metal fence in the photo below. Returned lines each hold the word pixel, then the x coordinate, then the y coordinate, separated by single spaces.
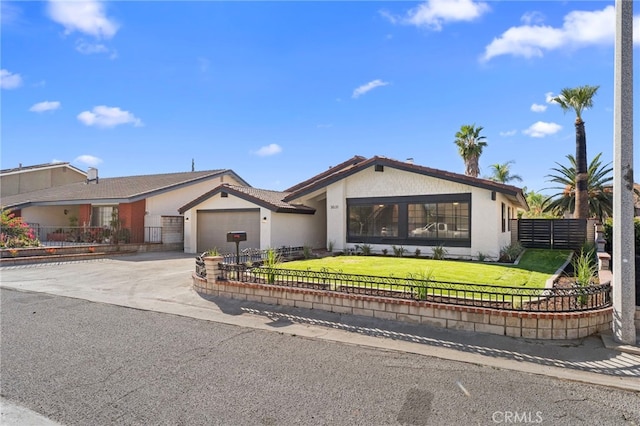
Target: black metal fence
pixel 569 299
pixel 61 236
pixel 251 257
pixel 552 233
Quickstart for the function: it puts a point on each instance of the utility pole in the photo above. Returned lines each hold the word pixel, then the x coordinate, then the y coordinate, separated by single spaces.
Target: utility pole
pixel 624 281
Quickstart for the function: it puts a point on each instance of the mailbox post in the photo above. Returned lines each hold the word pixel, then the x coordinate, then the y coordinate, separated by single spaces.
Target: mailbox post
pixel 237 236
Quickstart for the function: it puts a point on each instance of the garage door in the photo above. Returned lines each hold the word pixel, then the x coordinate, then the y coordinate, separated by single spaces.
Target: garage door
pixel 214 225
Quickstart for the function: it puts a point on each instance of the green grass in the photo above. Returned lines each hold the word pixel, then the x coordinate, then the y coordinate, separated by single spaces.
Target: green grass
pixel 535 267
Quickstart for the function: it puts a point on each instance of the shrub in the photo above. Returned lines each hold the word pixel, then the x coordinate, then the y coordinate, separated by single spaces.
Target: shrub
pixel 584 269
pixel 439 252
pixel 420 281
pixel 481 256
pixel 511 252
pixel 272 259
pixel 364 248
pixel 399 251
pixel 417 252
pixel 213 252
pixel 385 251
pixel 330 245
pixel 608 234
pixel 307 252
pixel 15 233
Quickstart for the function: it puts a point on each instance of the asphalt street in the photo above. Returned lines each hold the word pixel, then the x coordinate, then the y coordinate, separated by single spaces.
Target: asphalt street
pixel 85 363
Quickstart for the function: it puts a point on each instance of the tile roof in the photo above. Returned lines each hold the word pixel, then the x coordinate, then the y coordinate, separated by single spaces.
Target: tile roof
pixel 117 189
pixel 342 171
pixel 272 200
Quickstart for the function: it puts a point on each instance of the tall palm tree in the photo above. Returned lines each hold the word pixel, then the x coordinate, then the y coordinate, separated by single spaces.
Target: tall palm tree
pixel 600 196
pixel 470 145
pixel 502 173
pixel 579 99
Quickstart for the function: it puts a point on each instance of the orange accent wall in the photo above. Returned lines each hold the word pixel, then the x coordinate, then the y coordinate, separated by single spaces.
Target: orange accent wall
pixel 84 215
pixel 132 217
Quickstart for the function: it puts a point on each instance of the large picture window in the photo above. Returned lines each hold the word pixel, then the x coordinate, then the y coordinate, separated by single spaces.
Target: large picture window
pixel 376 220
pixel 420 220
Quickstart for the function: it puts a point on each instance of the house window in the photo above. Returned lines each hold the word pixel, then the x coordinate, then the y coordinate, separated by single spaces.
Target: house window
pixel 440 221
pixel 504 220
pixel 415 220
pixel 509 216
pixel 102 215
pixel 377 220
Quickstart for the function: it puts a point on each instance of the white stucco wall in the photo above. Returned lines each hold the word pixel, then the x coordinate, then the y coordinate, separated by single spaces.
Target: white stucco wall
pixel 296 230
pixel 168 203
pixel 486 232
pixel 214 203
pixel 50 216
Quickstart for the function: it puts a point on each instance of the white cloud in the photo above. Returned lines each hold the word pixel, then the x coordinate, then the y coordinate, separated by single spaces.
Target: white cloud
pixel 87 17
pixel 579 29
pixel 267 150
pixel 367 87
pixel 45 106
pixel 9 80
pixel 433 14
pixel 538 108
pixel 548 98
pixel 508 133
pixel 87 48
pixel 88 160
pixel 532 18
pixel 104 116
pixel 540 129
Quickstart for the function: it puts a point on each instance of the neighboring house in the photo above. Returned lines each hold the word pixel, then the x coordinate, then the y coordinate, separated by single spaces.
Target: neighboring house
pixel 267 220
pixel 41 176
pixel 144 205
pixel 376 201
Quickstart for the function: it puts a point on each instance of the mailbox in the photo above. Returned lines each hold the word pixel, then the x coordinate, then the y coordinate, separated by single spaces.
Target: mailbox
pixel 235 236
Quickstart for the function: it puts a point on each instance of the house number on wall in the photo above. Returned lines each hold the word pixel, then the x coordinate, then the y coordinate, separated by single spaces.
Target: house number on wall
pixel 335 206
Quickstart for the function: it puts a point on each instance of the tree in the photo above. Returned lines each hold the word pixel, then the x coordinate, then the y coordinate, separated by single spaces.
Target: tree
pixel 599 194
pixel 470 145
pixel 579 99
pixel 536 200
pixel 502 173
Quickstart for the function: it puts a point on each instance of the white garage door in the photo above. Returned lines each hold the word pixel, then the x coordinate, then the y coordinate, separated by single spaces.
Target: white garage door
pixel 214 225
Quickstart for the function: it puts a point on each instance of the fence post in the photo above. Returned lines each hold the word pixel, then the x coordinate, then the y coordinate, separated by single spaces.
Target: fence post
pixel 211 265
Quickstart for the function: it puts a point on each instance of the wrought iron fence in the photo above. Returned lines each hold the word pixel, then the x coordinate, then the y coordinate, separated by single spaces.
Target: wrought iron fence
pixel 256 256
pixel 77 235
pixel 250 257
pixel 568 299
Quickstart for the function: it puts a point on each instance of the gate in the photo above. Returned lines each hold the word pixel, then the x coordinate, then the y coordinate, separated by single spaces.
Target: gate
pixel 552 233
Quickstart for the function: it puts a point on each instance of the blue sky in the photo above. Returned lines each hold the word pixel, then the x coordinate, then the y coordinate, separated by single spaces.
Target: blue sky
pixel 280 91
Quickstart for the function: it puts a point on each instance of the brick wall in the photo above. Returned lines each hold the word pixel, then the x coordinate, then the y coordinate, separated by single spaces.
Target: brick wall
pixel 569 325
pixel 132 217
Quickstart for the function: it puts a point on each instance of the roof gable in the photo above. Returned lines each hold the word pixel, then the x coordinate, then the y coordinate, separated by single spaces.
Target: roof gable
pixel 38 167
pixel 115 190
pixel 323 180
pixel 272 200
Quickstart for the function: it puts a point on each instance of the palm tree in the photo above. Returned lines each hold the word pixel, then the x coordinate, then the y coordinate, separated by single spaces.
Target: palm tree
pixel 536 200
pixel 600 197
pixel 470 145
pixel 579 99
pixel 502 173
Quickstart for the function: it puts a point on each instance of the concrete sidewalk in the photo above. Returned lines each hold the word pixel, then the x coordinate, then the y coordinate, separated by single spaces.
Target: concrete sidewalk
pixel 161 282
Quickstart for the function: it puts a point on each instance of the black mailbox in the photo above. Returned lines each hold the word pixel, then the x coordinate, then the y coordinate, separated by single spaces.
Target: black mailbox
pixel 235 236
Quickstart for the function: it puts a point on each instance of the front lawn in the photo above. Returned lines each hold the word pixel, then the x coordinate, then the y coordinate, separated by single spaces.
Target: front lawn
pixel 535 267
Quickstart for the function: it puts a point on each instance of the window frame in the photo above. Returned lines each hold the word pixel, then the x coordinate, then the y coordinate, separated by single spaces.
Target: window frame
pixel 403 202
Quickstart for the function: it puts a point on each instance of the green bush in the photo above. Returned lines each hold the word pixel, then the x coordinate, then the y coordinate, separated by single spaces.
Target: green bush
pixel 608 234
pixel 439 252
pixel 15 233
pixel 510 253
